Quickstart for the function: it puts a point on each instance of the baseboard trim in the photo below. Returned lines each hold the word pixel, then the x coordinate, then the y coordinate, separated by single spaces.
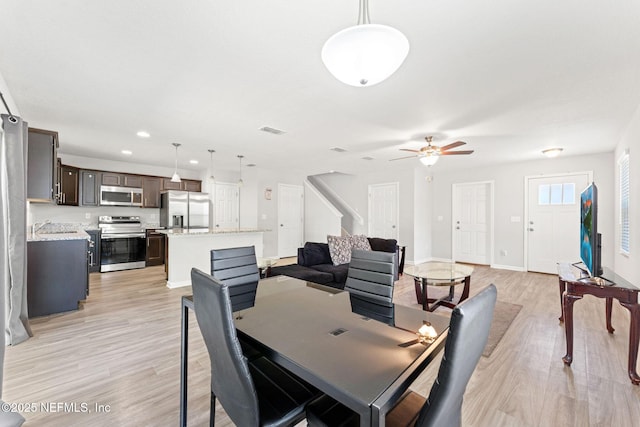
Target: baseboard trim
pixel 182 284
pixel 507 267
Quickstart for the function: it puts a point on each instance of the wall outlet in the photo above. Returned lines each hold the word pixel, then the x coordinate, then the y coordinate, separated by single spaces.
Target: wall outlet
pixel 87 215
pixel 503 252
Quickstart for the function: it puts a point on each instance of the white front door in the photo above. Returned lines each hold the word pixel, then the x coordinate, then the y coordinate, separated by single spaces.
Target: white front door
pixel 472 223
pixel 290 219
pixel 383 210
pixel 226 206
pixel 553 220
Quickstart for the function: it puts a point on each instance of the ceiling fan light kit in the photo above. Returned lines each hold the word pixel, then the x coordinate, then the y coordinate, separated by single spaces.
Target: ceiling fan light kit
pixel 429 159
pixel 430 154
pixel 365 54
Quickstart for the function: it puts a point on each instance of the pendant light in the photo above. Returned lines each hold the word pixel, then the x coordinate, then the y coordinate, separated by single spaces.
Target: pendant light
pixel 365 54
pixel 211 177
pixel 176 177
pixel 240 181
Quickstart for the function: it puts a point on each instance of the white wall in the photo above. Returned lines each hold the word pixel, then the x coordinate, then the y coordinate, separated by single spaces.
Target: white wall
pixel 422 214
pixel 321 218
pixel 627 266
pixel 509 201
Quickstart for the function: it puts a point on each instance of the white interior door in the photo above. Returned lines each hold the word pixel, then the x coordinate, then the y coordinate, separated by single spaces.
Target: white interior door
pixel 226 206
pixel 553 220
pixel 383 210
pixel 290 219
pixel 472 223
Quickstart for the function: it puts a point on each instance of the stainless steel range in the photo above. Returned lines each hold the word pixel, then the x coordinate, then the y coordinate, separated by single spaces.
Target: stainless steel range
pixel 123 243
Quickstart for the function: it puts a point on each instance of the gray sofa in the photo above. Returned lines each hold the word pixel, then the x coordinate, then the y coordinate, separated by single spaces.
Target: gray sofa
pixel 315 265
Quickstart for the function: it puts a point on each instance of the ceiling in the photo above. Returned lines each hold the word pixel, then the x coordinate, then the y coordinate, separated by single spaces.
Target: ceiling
pixel 509 80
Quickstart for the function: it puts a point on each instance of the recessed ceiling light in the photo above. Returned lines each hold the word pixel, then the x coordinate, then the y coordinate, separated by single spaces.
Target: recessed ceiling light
pixel 552 152
pixel 127 152
pixel 193 162
pixel 143 134
pixel 338 149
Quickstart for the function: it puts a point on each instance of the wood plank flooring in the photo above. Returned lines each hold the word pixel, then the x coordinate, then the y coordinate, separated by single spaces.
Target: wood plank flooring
pixel 122 349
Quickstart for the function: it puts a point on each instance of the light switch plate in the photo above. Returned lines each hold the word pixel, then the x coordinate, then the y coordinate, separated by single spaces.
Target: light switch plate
pixel 515 219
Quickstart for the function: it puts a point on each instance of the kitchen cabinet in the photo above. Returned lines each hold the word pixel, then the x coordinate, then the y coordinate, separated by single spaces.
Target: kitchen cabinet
pixel 191 185
pixel 42 170
pixel 151 191
pixel 94 251
pixel 121 179
pixel 57 275
pixel 155 248
pixel 89 188
pixel 185 185
pixel 68 184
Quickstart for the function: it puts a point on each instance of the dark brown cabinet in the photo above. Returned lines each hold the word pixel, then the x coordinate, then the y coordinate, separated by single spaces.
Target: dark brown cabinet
pixel 185 185
pixel 89 188
pixel 155 248
pixel 151 192
pixel 110 178
pixel 132 181
pixel 68 181
pixel 42 165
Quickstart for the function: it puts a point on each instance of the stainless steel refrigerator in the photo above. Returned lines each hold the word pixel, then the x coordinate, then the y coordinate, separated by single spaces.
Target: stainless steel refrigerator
pixel 184 209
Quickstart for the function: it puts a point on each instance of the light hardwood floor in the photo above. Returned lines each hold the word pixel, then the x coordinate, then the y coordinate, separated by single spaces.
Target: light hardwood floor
pixel 122 349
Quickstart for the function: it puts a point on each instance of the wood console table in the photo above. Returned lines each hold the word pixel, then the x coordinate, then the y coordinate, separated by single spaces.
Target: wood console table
pixel 574 286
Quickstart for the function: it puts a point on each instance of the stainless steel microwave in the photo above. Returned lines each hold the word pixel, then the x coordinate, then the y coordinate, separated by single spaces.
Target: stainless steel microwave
pixel 120 196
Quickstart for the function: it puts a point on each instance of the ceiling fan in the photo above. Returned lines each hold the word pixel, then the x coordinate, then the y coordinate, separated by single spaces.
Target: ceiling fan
pixel 430 154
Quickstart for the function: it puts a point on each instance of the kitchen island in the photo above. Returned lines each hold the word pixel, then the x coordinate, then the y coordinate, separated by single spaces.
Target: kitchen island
pixel 186 249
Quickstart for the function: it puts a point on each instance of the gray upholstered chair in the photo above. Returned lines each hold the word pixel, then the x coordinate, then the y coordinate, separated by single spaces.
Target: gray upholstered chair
pixel 252 392
pixel 370 284
pixel 468 333
pixel 237 268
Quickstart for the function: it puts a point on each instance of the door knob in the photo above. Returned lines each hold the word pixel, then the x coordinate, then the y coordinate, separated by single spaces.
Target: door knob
pixel 531 229
pixel 457 228
pixel 393 226
pixel 281 225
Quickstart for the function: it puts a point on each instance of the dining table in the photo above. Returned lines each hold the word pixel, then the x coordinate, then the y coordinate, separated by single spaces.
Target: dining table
pixel 313 331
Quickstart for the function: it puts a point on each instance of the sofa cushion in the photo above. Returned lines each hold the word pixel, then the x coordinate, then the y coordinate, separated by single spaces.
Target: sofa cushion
pixel 360 241
pixel 302 273
pixel 339 272
pixel 339 249
pixel 316 253
pixel 383 245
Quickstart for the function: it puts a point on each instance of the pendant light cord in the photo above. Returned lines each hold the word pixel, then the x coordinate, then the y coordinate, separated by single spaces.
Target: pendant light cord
pixel 363 13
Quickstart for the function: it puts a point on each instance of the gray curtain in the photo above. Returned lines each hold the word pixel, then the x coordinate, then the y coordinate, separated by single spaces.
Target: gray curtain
pixel 13 242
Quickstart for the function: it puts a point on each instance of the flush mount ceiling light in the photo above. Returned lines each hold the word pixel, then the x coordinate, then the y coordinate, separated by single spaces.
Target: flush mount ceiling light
pixel 127 152
pixel 365 54
pixel 143 134
pixel 552 152
pixel 240 181
pixel 176 177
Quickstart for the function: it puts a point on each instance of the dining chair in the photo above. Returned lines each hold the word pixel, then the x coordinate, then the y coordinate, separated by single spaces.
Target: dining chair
pixel 237 268
pixel 254 392
pixel 370 281
pixel 467 337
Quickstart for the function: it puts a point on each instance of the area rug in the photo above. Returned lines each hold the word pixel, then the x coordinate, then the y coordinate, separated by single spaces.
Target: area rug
pixel 503 315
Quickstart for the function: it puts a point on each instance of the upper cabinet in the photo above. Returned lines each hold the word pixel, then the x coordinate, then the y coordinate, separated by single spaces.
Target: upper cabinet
pixel 90 188
pixel 69 180
pixel 185 185
pixel 121 180
pixel 151 191
pixel 42 165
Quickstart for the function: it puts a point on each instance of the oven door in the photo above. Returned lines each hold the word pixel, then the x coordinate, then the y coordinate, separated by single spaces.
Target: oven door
pixel 122 251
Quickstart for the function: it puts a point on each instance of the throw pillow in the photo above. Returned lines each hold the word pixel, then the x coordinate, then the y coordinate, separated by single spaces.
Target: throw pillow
pixel 339 249
pixel 360 241
pixel 316 253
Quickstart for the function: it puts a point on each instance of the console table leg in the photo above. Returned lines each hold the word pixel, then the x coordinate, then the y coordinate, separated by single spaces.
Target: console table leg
pixel 609 306
pixel 465 290
pixel 568 301
pixel 425 298
pixel 418 285
pixel 634 338
pixel 562 285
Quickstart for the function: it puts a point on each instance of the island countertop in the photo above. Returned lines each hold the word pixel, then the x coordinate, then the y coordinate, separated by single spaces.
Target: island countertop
pixel 205 231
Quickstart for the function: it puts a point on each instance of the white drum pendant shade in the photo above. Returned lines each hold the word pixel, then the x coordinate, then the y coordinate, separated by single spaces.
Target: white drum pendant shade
pixel 364 55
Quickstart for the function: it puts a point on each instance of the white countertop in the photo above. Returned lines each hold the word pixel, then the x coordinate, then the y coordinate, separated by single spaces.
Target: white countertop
pixel 58 235
pixel 208 231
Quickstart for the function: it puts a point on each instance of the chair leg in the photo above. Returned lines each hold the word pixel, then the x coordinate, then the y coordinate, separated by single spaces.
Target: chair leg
pixel 212 411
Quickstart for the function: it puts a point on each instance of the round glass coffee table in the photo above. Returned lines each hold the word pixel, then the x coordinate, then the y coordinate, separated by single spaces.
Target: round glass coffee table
pixel 439 274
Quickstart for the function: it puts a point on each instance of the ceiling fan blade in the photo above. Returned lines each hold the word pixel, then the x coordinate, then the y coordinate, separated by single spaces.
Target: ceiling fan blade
pixel 452 145
pixel 408 149
pixel 402 158
pixel 448 153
